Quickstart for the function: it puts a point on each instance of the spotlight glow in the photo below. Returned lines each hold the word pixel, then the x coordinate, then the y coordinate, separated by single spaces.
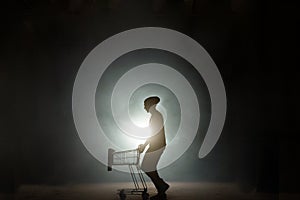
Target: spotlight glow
pixel 146 74
pixel 83 99
pixel 140 123
pixel 141 118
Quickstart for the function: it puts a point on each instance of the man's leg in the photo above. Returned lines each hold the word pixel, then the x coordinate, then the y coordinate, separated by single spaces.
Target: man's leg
pixel 149 165
pixel 159 183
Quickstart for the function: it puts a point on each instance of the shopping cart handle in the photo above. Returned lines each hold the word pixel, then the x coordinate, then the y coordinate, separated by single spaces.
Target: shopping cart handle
pixel 110 159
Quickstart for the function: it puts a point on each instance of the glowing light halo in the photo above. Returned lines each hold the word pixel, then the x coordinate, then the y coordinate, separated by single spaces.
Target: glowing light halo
pixel 94 65
pixel 144 124
pixel 141 119
pixel 168 106
pixel 165 76
pixel 139 123
pixel 135 127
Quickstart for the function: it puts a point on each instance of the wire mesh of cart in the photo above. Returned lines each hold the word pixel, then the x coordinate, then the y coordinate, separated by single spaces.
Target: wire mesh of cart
pixel 132 159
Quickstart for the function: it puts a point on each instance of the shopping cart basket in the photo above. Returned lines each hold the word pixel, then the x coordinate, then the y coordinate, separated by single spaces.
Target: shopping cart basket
pixel 132 159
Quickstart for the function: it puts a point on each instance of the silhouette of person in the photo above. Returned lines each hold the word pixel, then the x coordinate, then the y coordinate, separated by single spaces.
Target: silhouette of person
pixel 157 143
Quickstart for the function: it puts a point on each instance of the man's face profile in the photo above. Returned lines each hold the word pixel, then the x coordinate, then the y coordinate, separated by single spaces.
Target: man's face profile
pixel 149 102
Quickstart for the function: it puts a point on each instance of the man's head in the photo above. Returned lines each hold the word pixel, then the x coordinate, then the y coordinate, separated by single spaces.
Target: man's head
pixel 151 101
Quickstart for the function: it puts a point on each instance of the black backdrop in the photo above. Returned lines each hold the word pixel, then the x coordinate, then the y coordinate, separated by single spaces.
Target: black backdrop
pixel 44 42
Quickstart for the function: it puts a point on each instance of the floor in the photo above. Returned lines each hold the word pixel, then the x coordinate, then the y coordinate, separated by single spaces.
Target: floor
pixel 177 191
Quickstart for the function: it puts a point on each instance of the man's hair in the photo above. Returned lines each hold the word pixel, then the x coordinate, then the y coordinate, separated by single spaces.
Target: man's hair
pixel 152 100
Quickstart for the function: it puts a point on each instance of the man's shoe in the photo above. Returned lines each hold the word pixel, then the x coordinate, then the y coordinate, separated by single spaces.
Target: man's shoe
pixel 164 188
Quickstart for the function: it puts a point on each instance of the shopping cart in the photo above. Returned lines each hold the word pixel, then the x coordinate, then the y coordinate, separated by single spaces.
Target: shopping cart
pixel 132 159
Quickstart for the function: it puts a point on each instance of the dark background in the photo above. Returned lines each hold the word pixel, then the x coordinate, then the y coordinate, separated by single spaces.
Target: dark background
pixel 44 42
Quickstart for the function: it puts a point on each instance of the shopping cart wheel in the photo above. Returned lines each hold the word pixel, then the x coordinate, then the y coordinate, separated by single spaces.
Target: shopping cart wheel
pixel 122 195
pixel 145 196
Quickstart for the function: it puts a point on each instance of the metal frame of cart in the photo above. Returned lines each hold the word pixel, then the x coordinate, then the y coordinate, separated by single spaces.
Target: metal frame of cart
pixel 132 159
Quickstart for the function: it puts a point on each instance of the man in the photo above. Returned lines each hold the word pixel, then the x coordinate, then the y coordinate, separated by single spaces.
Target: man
pixel 157 143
